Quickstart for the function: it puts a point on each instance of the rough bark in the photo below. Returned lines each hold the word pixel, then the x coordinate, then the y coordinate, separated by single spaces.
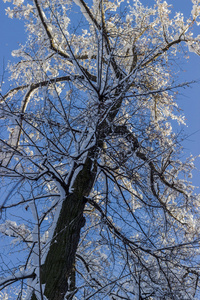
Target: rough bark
pixel 61 256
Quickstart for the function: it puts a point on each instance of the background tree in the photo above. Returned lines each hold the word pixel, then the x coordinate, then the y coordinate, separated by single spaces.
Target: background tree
pixel 87 143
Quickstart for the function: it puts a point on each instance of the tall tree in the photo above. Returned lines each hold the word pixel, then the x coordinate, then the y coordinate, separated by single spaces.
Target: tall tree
pixel 95 199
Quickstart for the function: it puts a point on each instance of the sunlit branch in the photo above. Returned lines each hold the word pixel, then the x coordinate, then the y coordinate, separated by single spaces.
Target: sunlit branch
pixel 16 277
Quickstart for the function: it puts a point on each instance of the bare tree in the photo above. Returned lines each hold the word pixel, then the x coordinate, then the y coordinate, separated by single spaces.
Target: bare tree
pixel 96 202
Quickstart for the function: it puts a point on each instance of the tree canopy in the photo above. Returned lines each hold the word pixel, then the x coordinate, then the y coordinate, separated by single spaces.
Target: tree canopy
pixel 97 202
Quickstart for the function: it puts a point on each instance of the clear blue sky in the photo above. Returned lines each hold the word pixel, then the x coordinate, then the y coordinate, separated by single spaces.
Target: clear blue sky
pixel 12 33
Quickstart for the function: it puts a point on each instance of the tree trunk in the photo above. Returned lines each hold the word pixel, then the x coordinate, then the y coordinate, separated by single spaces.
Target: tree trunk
pixel 60 260
pixel 58 272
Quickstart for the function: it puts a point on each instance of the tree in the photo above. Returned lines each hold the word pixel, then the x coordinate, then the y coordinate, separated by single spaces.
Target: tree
pixel 96 199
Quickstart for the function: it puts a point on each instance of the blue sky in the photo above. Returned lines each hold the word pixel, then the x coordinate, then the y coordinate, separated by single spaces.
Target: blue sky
pixel 12 33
